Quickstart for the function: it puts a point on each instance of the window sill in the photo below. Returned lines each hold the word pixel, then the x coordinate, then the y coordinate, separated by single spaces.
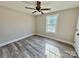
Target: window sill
pixel 51 32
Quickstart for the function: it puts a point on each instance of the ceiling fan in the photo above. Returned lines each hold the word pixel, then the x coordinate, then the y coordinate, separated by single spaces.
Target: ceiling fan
pixel 38 8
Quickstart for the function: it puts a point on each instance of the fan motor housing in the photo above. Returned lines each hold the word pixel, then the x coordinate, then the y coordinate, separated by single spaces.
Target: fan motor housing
pixel 38 8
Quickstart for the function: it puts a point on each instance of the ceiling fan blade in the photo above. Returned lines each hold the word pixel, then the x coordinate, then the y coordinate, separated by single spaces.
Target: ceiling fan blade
pixel 46 9
pixel 30 8
pixel 41 12
pixel 34 11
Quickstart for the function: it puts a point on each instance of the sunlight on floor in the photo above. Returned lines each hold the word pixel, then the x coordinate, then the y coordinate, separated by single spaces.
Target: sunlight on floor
pixel 52 51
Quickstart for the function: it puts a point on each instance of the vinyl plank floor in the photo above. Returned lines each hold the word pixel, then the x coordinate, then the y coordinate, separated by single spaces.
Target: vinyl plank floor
pixel 37 47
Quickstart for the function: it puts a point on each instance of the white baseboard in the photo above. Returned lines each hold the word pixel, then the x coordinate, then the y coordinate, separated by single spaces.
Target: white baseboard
pixel 11 41
pixel 56 39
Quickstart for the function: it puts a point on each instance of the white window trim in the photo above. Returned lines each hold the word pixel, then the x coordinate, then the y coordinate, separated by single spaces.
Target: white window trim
pixel 56 24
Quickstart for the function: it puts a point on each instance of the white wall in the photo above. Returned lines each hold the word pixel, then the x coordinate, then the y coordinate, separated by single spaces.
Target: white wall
pixel 14 24
pixel 65 26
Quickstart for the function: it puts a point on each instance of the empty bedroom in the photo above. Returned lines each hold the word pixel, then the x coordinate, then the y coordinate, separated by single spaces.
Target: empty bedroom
pixel 39 29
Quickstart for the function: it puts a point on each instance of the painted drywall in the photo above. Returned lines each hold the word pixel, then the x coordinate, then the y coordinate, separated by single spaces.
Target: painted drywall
pixel 14 24
pixel 65 25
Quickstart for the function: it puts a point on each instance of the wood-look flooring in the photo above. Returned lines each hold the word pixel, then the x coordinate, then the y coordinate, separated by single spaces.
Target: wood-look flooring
pixel 36 47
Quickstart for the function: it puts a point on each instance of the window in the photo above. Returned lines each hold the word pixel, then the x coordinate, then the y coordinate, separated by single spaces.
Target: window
pixel 51 22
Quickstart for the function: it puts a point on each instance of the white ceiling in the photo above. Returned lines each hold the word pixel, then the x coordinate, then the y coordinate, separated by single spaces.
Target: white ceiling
pixel 54 5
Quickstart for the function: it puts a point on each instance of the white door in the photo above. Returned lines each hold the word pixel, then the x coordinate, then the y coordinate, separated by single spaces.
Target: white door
pixel 77 29
pixel 77 38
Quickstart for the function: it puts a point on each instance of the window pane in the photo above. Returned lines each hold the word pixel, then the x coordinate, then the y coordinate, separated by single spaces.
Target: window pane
pixel 51 23
pixel 52 19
